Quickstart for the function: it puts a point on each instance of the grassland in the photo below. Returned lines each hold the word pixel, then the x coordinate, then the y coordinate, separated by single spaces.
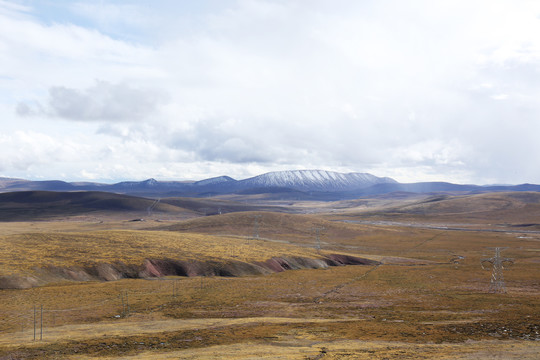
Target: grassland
pixel 418 303
pixel 24 252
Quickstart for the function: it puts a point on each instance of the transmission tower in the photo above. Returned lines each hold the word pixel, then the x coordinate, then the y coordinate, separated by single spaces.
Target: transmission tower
pixel 151 208
pixel 256 226
pixel 318 236
pixel 497 279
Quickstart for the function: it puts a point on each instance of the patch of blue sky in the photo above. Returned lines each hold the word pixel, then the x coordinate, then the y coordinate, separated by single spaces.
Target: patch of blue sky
pixel 139 21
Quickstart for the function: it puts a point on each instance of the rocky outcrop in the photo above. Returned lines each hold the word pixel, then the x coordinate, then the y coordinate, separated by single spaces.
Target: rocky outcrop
pixel 172 267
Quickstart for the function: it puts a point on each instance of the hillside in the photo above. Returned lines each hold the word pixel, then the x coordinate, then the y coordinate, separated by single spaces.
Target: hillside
pixel 516 209
pixel 215 206
pixel 41 205
pixel 299 228
pixel 35 259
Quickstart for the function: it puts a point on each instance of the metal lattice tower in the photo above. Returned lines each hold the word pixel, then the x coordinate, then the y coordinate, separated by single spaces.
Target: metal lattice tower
pixel 497 279
pixel 318 236
pixel 151 208
pixel 256 226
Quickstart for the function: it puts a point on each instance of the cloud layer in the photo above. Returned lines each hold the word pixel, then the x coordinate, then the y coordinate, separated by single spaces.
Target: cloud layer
pixel 101 102
pixel 415 90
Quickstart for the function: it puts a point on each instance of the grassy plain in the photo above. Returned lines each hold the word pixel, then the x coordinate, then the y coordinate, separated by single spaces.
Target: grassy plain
pixel 417 304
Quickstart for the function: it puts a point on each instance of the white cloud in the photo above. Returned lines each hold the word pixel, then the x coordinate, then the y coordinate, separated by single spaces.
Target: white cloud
pixel 102 102
pixel 405 89
pixel 8 8
pixel 27 150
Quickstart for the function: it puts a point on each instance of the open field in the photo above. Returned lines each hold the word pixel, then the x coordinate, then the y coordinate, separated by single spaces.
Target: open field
pixel 309 309
pixel 428 297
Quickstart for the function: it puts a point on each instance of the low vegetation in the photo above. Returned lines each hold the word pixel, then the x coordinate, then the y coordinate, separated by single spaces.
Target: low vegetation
pixel 427 298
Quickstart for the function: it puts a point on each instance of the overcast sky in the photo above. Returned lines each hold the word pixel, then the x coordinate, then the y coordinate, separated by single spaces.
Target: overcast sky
pixel 417 90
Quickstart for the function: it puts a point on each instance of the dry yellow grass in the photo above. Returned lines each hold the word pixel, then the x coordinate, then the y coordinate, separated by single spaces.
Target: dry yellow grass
pixel 411 307
pixel 24 252
pixel 292 349
pixel 139 326
pixel 76 224
pixel 413 304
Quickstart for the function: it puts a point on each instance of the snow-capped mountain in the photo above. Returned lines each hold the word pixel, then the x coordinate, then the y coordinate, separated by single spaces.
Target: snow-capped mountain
pixel 295 184
pixel 214 181
pixel 295 180
pixel 314 180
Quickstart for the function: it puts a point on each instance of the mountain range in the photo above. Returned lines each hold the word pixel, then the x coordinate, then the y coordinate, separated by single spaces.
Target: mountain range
pixel 295 184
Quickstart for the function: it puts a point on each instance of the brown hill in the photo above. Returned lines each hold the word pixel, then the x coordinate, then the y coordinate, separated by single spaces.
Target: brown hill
pixel 43 205
pixel 215 206
pixel 297 228
pixel 510 208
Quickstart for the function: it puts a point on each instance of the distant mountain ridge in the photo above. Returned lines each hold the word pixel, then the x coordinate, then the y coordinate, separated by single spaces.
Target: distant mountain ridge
pixel 293 184
pixel 315 180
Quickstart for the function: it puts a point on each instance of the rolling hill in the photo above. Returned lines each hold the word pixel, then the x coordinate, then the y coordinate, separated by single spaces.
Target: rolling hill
pixel 497 209
pixel 48 205
pixel 41 205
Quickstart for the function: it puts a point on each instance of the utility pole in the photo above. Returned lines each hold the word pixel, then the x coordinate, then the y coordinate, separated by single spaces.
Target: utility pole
pixel 497 279
pixel 34 322
pixel 318 236
pixel 125 304
pixel 41 324
pixel 175 289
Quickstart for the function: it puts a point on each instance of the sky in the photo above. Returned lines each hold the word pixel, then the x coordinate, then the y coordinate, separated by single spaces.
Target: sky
pixel 416 90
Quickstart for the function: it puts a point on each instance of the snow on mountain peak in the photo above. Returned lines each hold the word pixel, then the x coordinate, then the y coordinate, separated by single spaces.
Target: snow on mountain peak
pixel 214 181
pixel 318 180
pixel 150 182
